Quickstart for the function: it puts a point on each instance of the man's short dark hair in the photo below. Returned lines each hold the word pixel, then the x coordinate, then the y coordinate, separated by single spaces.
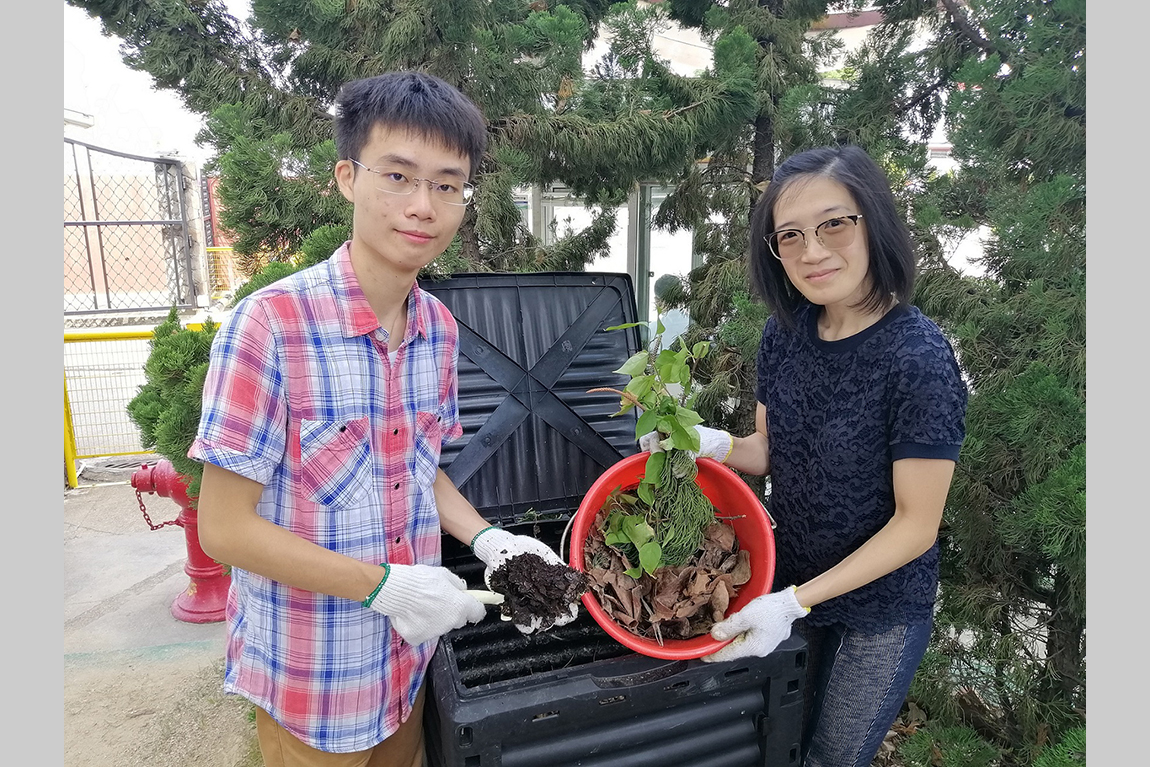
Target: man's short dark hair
pixel 889 243
pixel 416 101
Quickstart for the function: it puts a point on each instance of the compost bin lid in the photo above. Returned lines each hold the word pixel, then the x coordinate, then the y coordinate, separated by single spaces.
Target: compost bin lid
pixel 531 345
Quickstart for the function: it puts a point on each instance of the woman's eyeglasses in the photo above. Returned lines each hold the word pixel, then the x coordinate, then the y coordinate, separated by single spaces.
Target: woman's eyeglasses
pixel 832 234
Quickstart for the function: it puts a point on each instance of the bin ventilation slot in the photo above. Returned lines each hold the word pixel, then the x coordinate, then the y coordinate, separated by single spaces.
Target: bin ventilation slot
pixel 493 650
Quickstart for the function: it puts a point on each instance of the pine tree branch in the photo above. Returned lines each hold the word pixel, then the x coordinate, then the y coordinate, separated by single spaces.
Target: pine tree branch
pixel 916 99
pixel 734 169
pixel 202 53
pixel 966 28
pixel 668 113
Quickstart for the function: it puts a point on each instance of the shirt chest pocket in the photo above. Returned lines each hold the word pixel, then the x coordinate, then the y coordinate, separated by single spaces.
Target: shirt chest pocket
pixel 335 461
pixel 427 445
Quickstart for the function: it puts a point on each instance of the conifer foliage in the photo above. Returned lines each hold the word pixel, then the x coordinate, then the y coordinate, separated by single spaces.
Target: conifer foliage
pixel 266 85
pixel 1007 79
pixel 1013 600
pixel 166 410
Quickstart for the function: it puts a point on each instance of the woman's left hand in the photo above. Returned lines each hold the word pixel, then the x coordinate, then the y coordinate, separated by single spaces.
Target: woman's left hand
pixel 759 627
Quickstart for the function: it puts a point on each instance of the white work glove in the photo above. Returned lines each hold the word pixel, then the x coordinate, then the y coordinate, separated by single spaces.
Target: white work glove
pixel 713 443
pixel 494 547
pixel 424 602
pixel 759 627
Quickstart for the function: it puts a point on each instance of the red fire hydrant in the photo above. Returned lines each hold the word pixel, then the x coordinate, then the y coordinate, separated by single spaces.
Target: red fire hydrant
pixel 204 599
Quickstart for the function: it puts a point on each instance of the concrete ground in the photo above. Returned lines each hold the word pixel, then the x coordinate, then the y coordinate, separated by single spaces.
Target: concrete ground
pixel 140 687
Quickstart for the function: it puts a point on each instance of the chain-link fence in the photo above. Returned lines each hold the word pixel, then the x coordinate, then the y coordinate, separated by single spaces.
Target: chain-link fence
pixel 132 251
pixel 102 373
pixel 127 244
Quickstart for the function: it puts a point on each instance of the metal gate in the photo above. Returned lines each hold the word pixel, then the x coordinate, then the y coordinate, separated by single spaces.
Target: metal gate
pixel 127 246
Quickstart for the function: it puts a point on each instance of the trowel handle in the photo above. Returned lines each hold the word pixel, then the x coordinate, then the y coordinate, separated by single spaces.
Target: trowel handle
pixel 486 597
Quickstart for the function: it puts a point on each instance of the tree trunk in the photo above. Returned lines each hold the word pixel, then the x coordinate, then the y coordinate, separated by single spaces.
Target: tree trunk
pixel 763 166
pixel 468 237
pixel 1065 646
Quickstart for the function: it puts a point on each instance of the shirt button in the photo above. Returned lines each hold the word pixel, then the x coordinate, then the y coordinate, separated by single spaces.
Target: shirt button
pixel 398 539
pixel 396 486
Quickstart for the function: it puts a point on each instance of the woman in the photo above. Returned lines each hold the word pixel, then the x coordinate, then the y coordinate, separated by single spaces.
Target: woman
pixel 859 422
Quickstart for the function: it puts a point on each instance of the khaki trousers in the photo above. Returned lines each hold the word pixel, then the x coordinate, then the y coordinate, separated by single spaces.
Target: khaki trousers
pixel 282 749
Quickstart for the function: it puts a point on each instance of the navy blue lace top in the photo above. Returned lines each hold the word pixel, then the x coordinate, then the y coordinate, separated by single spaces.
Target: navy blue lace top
pixel 839 413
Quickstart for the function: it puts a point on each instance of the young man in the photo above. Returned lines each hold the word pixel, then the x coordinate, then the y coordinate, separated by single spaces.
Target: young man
pixel 327 399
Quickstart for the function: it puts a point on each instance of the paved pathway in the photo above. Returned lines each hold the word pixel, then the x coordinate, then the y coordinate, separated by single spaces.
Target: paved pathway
pixel 140 687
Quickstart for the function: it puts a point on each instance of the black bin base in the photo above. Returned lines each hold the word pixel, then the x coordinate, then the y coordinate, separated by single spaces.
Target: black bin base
pixel 625 711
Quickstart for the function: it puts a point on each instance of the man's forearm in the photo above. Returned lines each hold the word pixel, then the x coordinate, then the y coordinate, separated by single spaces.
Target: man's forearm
pixel 233 533
pixel 457 516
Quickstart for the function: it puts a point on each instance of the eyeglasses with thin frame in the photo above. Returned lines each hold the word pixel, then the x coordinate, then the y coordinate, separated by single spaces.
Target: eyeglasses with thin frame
pixel 396 182
pixel 833 234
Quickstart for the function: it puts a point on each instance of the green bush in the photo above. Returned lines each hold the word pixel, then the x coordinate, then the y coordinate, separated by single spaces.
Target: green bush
pixel 273 272
pixel 315 248
pixel 948 747
pixel 1069 752
pixel 167 408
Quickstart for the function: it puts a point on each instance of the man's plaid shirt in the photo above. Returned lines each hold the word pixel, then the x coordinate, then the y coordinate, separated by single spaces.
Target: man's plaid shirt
pixel 302 397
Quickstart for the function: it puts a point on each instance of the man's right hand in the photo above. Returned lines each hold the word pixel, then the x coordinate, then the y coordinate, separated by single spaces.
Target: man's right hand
pixel 425 602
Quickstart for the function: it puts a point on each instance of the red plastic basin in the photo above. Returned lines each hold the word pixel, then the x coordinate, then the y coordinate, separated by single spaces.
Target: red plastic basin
pixel 731 497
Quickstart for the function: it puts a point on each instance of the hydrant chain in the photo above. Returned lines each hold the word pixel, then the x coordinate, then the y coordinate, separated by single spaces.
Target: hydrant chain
pixel 148 519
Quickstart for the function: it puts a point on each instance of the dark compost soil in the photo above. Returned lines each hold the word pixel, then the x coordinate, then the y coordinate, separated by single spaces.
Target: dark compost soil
pixel 535 588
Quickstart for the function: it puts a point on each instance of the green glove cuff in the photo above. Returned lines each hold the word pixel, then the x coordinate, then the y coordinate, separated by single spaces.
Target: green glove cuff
pixel 371 597
pixel 481 532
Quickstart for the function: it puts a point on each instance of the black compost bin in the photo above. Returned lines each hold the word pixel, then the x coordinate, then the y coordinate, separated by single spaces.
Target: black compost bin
pixel 531 346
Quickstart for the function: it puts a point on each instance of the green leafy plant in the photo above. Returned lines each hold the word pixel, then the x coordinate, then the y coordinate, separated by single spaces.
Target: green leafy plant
pixel 633 529
pixel 674 508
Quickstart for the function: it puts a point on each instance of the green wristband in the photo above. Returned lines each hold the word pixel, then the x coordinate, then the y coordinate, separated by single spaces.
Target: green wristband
pixel 371 597
pixel 481 532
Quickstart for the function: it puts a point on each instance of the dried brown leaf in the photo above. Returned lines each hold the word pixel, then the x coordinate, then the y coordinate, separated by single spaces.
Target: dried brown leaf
pixel 700 584
pixel 677 603
pixel 721 535
pixel 720 599
pixel 741 573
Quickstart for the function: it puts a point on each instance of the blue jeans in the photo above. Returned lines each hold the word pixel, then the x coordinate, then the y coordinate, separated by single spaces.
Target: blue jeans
pixel 856 684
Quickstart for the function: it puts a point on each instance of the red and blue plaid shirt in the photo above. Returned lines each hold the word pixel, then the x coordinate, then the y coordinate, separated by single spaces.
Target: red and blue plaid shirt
pixel 302 397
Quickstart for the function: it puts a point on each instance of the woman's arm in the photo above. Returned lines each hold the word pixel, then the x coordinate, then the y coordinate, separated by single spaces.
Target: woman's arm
pixel 920 489
pixel 749 454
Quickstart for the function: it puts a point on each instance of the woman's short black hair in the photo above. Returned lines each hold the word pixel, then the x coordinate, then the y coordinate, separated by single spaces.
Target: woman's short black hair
pixel 416 101
pixel 889 244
